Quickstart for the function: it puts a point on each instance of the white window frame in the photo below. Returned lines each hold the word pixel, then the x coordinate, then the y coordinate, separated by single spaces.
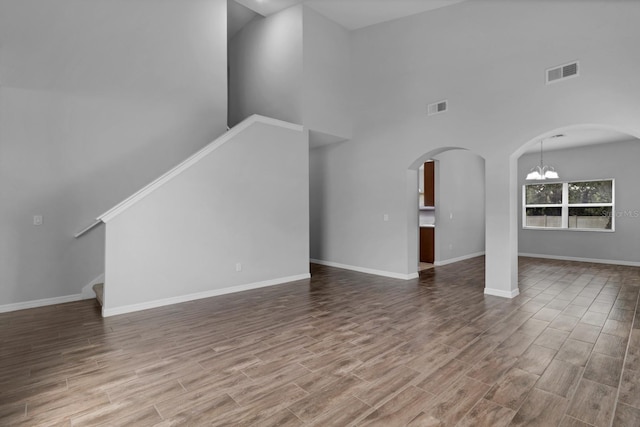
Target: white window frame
pixel 565 205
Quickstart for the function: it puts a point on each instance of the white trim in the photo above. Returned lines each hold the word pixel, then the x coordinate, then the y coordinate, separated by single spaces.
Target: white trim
pixel 366 270
pixel 87 228
pixel 500 293
pixel 106 312
pixel 39 303
pixel 87 290
pixel 578 259
pixel 599 230
pixel 124 205
pixel 458 259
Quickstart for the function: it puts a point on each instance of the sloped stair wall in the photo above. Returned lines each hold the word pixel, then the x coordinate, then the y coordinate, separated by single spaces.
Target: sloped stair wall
pixel 235 216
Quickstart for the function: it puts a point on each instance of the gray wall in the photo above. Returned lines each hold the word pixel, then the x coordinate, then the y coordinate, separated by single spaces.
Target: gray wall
pixel 295 66
pixel 97 99
pixel 488 59
pixel 459 191
pixel 246 202
pixel 605 161
pixel 327 76
pixel 327 108
pixel 319 218
pixel 460 206
pixel 265 68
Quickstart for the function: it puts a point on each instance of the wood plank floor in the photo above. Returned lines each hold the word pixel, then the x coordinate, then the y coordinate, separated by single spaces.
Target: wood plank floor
pixel 342 348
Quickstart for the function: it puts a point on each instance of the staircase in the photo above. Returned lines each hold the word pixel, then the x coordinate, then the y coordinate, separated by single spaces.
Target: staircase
pixel 171 254
pixel 98 288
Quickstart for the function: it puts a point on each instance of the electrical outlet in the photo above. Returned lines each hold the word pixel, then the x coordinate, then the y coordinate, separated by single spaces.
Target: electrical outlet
pixel 385 217
pixel 37 220
pixel 238 266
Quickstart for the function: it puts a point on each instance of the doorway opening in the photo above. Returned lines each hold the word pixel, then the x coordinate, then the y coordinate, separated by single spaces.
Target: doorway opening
pixel 593 216
pixel 426 214
pixel 446 208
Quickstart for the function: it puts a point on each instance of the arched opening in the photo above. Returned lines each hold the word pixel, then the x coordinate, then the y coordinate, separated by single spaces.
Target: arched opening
pixel 590 212
pixel 456 222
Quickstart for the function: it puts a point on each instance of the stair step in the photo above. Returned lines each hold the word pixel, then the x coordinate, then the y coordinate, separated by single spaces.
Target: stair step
pixel 98 288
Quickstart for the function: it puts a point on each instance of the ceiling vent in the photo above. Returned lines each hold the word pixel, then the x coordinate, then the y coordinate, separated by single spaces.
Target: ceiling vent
pixel 437 107
pixel 562 72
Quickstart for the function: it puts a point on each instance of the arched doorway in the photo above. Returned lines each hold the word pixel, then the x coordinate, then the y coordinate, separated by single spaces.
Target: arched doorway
pixel 459 206
pixel 594 217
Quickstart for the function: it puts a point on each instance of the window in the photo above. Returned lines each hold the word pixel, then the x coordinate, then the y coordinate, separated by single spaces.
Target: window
pixel 580 205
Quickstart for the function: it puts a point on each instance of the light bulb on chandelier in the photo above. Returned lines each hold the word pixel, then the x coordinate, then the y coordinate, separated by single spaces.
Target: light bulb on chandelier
pixel 543 171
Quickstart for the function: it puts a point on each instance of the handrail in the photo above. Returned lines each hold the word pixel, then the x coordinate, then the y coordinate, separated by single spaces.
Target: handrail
pixel 87 228
pixel 237 129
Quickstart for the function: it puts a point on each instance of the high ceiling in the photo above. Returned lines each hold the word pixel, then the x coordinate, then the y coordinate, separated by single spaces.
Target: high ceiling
pixel 353 14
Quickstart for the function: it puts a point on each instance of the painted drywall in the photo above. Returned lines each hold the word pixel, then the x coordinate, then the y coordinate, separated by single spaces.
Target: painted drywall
pixel 459 213
pixel 460 206
pixel 265 68
pixel 246 202
pixel 605 161
pixel 97 99
pixel 489 60
pixel 295 66
pixel 318 208
pixel 326 76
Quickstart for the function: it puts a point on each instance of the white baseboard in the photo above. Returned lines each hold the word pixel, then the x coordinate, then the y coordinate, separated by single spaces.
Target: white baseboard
pixel 107 312
pixel 39 303
pixel 87 290
pixel 592 260
pixel 366 270
pixel 458 259
pixel 86 293
pixel 500 293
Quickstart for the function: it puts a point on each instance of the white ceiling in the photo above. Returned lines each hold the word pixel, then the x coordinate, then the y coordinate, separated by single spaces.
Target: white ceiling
pixel 353 14
pixel 579 138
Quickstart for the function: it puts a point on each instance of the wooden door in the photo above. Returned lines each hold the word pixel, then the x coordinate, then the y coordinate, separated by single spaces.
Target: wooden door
pixel 427 244
pixel 429 187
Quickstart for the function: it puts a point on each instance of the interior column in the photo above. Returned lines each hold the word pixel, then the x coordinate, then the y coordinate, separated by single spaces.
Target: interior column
pixel 501 274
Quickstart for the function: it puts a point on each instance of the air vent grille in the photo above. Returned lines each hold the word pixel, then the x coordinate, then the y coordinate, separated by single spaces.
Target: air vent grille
pixel 437 107
pixel 570 70
pixel 562 72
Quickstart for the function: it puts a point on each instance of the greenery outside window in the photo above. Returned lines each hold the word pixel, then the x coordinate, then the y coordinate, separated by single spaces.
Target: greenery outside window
pixel 578 205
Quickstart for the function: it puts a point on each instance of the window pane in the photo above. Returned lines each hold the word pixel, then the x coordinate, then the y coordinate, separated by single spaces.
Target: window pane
pixel 544 194
pixel 596 217
pixel 591 192
pixel 544 217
